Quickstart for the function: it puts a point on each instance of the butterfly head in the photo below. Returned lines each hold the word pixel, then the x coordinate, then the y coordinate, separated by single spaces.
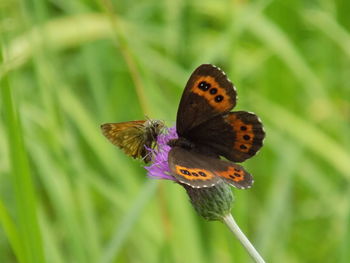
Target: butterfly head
pixel 154 126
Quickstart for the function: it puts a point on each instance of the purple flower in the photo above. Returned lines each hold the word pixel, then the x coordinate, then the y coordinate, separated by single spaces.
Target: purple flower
pixel 159 167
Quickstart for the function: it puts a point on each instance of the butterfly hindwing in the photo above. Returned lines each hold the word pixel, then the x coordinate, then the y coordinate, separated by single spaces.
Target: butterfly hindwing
pixel 198 170
pixel 190 168
pixel 236 135
pixel 208 93
pixel 249 133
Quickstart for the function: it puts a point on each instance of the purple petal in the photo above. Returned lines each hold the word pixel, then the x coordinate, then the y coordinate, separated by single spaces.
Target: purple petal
pixel 159 167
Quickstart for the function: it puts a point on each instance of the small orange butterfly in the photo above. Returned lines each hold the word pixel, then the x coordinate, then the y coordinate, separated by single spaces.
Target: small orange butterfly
pixel 134 137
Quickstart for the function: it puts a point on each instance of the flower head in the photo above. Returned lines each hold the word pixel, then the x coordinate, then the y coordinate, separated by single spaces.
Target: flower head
pixel 159 167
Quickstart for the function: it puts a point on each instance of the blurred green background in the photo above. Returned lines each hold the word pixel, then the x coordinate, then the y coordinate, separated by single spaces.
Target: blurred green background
pixel 68 195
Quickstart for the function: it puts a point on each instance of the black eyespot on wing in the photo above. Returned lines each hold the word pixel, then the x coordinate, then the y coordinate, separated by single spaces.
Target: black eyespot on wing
pixel 202 174
pixel 203 85
pixel 185 172
pixel 213 91
pixel 219 98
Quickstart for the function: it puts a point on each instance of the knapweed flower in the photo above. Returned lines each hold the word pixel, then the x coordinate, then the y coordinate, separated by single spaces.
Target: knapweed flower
pixel 212 203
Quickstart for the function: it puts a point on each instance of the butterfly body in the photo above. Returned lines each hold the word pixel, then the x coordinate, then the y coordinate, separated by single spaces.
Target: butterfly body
pixel 207 130
pixel 182 142
pixel 134 137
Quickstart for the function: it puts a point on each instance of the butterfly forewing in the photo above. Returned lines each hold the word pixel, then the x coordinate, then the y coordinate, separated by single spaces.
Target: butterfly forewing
pixel 208 93
pixel 198 170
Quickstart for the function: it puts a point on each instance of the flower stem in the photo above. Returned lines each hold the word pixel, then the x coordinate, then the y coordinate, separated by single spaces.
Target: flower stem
pixel 232 225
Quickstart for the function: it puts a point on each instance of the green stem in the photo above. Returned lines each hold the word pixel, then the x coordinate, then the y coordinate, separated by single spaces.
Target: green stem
pixel 232 225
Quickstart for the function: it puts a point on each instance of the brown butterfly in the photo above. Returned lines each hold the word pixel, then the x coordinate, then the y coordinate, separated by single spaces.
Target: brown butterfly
pixel 134 137
pixel 207 130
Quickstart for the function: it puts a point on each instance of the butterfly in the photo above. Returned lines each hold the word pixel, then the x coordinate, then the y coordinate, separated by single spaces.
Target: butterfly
pixel 208 130
pixel 134 137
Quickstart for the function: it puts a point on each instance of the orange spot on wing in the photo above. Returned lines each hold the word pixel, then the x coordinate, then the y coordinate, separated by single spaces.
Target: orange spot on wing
pixel 194 174
pixel 237 125
pixel 221 106
pixel 232 173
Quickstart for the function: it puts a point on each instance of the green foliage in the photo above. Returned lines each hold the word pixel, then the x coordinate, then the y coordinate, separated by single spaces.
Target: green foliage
pixel 68 195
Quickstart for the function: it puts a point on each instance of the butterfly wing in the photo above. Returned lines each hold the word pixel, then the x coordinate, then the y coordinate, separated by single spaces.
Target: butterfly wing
pixel 133 136
pixel 198 170
pixel 236 135
pixel 208 93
